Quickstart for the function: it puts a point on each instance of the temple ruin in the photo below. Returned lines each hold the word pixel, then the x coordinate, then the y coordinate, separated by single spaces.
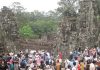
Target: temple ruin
pixel 8 29
pixel 82 30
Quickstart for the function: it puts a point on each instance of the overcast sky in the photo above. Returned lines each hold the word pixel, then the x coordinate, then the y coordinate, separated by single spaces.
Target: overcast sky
pixel 31 5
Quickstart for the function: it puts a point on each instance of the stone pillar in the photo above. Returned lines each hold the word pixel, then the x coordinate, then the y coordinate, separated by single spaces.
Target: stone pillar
pixel 88 24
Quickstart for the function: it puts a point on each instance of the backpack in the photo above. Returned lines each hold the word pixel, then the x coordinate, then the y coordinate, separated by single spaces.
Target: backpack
pixel 23 63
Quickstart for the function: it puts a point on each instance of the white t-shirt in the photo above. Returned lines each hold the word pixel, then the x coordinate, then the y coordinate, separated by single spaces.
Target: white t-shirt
pixel 92 66
pixel 76 62
pixel 31 65
pixel 67 69
pixel 74 68
pixel 67 63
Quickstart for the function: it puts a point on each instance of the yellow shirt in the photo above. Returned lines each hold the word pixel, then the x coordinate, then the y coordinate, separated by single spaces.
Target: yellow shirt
pixel 82 65
pixel 57 66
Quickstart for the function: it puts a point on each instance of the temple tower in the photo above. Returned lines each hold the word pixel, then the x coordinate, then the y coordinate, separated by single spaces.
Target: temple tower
pixel 88 25
pixel 8 28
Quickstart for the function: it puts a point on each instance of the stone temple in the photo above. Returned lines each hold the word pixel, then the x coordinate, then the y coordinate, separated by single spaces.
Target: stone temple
pixel 82 30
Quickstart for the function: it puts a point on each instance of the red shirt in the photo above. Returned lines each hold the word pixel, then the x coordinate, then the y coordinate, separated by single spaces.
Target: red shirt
pixel 60 55
pixel 78 67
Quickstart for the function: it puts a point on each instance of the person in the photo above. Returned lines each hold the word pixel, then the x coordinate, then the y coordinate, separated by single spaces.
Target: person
pixel 79 66
pixel 66 63
pixel 88 65
pixel 38 59
pixel 10 63
pixel 69 67
pixel 82 66
pixel 98 64
pixel 74 66
pixel 58 66
pixel 42 65
pixel 46 59
pixel 31 66
pixel 92 66
pixel 76 61
pixel 3 64
pixel 23 63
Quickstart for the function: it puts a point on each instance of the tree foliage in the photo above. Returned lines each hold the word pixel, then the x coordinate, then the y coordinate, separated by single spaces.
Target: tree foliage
pixel 26 31
pixel 68 7
pixel 35 24
pixel 44 27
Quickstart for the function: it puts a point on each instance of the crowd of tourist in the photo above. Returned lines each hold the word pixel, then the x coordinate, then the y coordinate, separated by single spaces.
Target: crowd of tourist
pixel 84 60
pixel 28 61
pixel 43 60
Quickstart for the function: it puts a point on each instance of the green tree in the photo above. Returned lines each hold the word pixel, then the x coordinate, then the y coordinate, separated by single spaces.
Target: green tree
pixel 26 31
pixel 21 15
pixel 42 23
pixel 44 27
pixel 17 7
pixel 68 7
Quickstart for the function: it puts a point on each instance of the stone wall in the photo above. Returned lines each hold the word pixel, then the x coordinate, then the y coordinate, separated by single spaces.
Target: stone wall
pixel 82 30
pixel 8 28
pixel 88 25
